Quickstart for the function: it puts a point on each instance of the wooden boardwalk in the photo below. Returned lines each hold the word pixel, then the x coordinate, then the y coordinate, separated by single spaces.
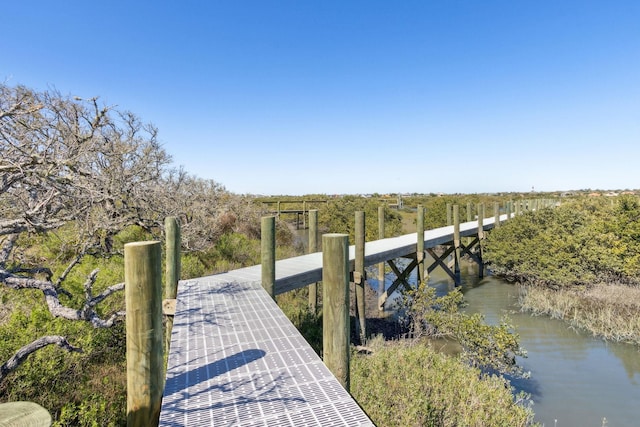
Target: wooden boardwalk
pixel 236 359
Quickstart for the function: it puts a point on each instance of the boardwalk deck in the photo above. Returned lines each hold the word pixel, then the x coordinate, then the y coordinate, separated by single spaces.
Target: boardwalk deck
pixel 236 359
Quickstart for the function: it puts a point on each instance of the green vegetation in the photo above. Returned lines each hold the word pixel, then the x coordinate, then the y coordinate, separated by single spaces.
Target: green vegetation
pixel 413 385
pixel 491 348
pixel 81 179
pixel 581 262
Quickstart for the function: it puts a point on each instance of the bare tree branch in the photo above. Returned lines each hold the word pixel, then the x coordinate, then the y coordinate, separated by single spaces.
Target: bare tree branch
pixel 56 308
pixel 24 352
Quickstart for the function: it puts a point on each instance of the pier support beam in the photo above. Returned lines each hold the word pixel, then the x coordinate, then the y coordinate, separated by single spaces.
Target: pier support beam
pixel 145 362
pixel 313 247
pixel 480 239
pixel 381 276
pixel 172 269
pixel 359 279
pixel 420 244
pixel 456 244
pixel 335 305
pixel 268 253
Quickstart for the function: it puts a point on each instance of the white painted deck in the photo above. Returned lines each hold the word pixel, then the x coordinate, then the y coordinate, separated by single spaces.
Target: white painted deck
pixel 236 360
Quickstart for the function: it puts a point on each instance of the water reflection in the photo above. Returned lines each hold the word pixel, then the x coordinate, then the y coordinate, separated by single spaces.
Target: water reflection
pixel 576 379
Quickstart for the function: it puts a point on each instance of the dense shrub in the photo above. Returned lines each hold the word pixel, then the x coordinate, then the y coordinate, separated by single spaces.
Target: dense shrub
pixel 580 242
pixel 402 385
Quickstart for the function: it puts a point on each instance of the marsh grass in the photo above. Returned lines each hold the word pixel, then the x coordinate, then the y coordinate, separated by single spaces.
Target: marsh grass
pixel 609 311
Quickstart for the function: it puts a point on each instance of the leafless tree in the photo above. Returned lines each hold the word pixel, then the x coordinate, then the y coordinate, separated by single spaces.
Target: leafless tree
pixel 74 163
pixel 92 170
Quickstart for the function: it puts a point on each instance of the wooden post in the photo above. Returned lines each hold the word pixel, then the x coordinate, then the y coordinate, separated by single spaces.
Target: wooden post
pixel 449 219
pixel 304 218
pixel 359 278
pixel 469 219
pixel 335 305
pixel 381 279
pixel 496 214
pixel 268 254
pixel 313 247
pixel 172 269
pixel 143 296
pixel 517 207
pixel 456 244
pixel 420 244
pixel 480 239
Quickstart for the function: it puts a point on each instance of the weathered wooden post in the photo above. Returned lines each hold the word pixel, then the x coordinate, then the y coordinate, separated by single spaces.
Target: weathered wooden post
pixel 480 239
pixel 456 243
pixel 381 280
pixel 518 207
pixel 304 217
pixel 172 271
pixel 313 247
pixel 268 254
pixel 143 296
pixel 449 218
pixel 335 305
pixel 359 277
pixel 420 243
pixel 496 214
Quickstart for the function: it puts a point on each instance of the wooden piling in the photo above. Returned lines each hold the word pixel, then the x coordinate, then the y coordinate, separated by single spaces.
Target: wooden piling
pixel 268 254
pixel 496 214
pixel 172 269
pixel 335 305
pixel 420 244
pixel 359 277
pixel 381 279
pixel 480 239
pixel 456 244
pixel 313 247
pixel 469 219
pixel 145 363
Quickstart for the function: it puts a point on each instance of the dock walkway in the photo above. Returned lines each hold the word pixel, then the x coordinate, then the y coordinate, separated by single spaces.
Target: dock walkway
pixel 236 359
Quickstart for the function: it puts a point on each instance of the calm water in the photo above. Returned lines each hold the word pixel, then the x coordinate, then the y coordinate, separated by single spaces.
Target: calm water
pixel 576 380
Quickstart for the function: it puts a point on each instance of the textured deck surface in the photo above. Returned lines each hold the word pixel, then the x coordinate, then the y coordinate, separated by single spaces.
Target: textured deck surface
pixel 237 360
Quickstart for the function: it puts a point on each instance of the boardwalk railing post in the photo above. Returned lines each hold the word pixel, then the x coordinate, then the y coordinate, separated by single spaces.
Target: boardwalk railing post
pixel 172 269
pixel 381 284
pixel 469 219
pixel 480 239
pixel 359 277
pixel 335 305
pixel 420 243
pixel 313 247
pixel 143 296
pixel 496 214
pixel 456 243
pixel 268 254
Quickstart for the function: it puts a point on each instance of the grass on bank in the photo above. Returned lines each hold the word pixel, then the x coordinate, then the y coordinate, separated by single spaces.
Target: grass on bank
pixel 605 310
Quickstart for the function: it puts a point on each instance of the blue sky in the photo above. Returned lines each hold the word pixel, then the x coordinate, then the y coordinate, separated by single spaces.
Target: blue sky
pixel 299 97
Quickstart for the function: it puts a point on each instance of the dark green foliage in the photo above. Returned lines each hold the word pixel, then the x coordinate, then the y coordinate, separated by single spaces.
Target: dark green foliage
pixel 582 241
pixel 490 347
pixel 400 385
pixel 339 217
